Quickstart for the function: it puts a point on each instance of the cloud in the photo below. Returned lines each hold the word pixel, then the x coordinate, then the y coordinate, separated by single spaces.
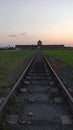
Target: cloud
pixel 13 35
pixel 23 34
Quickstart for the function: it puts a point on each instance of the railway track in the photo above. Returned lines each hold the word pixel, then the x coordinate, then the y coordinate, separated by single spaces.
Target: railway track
pixel 40 101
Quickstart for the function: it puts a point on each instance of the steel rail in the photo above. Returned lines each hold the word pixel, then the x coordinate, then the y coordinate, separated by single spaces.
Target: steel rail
pixel 66 92
pixel 4 104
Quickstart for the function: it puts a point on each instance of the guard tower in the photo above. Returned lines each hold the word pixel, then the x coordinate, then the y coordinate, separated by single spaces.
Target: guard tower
pixel 39 43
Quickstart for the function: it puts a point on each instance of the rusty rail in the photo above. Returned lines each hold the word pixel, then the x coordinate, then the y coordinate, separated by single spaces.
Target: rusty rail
pixel 63 87
pixel 4 104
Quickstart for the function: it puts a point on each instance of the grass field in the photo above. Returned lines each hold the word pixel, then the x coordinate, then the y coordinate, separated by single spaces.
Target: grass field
pixel 10 63
pixel 65 55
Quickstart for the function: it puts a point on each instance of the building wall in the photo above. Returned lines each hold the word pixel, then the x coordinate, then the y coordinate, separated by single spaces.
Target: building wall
pixel 22 47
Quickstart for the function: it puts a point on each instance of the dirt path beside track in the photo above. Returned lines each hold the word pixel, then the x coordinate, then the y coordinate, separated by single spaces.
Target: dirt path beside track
pixel 64 71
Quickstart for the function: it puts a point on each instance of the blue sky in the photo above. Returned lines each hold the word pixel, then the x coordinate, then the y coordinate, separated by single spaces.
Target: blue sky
pixel 26 21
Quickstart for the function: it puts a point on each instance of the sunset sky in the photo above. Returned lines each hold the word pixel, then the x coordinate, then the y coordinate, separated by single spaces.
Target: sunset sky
pixel 27 21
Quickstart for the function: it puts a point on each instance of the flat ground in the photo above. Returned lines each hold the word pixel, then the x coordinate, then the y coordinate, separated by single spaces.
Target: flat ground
pixel 10 63
pixel 65 55
pixel 62 62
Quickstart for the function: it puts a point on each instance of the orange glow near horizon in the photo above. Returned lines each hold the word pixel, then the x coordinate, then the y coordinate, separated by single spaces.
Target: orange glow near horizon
pixel 53 37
